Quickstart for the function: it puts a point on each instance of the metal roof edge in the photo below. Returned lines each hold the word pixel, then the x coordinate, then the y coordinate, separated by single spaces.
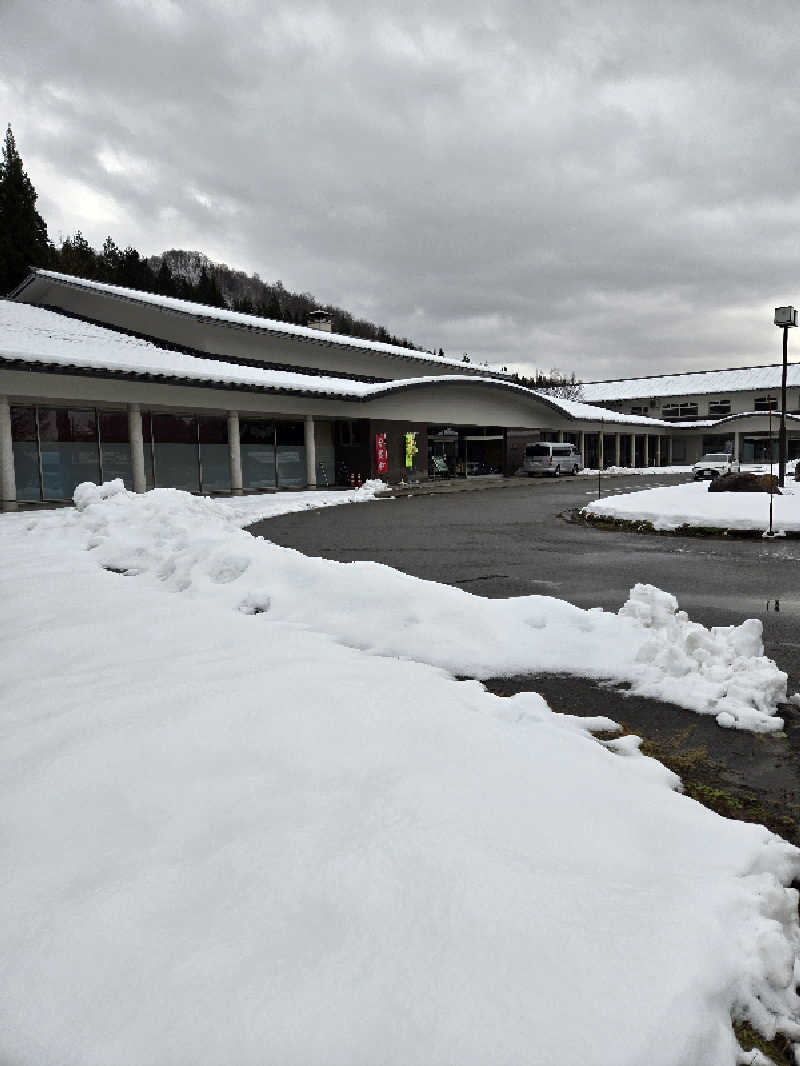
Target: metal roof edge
pixel 341 341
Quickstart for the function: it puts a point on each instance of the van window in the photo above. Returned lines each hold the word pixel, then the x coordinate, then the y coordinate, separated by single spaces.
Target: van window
pixel 533 450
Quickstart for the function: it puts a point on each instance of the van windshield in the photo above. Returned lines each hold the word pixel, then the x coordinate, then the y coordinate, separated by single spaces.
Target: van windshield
pixel 533 450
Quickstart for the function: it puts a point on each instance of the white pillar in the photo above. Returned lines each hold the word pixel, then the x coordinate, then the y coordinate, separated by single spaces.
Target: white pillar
pixel 646 459
pixel 658 450
pixel 633 449
pixel 137 447
pixel 560 436
pixel 600 457
pixel 234 453
pixel 8 484
pixel 311 453
pixel 737 446
pixel 616 449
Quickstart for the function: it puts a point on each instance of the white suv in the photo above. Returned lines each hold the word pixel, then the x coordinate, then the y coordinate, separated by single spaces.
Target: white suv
pixel 710 466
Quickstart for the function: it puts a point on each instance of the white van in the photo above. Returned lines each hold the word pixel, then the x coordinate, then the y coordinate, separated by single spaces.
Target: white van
pixel 550 457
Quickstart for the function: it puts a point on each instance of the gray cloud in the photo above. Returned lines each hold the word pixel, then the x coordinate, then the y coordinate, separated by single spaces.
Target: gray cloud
pixel 607 187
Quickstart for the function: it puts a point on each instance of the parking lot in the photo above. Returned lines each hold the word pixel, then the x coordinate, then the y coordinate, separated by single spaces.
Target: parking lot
pixel 513 539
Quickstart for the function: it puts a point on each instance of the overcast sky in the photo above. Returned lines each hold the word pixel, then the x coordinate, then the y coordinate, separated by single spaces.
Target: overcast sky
pixel 612 188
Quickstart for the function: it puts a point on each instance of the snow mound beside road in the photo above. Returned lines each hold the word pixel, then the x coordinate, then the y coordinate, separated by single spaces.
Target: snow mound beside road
pixel 194 546
pixel 725 666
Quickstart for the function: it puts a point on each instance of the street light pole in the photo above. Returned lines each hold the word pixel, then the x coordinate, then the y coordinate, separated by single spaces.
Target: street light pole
pixel 782 430
pixel 785 317
pixel 599 449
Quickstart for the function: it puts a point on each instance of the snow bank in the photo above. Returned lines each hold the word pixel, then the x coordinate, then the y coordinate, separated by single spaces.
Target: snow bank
pixel 192 545
pixel 693 505
pixel 724 665
pixel 228 837
pixel 643 471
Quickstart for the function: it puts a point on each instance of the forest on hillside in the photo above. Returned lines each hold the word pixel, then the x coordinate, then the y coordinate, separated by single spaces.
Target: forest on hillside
pixel 185 275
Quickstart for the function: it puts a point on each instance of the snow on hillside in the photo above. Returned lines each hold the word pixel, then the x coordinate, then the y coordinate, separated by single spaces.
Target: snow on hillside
pixel 249 816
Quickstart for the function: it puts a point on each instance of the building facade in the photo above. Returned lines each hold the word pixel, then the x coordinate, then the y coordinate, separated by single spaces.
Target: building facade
pixel 98 382
pixel 736 408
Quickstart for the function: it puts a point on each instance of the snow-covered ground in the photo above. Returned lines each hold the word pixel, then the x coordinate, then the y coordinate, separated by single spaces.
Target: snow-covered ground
pixel 645 471
pixel 753 468
pixel 692 504
pixel 249 815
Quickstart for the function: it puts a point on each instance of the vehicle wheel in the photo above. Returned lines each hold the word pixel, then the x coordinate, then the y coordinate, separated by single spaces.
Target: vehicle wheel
pixel 557 472
pixel 574 471
pixel 531 474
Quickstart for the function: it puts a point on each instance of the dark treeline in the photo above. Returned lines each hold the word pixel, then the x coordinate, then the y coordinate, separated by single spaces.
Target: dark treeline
pixel 24 243
pixel 192 276
pixel 186 275
pixel 563 386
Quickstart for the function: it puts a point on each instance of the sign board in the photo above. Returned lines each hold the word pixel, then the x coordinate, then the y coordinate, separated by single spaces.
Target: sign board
pixel 411 449
pixel 381 454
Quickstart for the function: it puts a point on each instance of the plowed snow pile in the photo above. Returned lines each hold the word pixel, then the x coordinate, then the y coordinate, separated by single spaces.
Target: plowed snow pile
pixel 250 817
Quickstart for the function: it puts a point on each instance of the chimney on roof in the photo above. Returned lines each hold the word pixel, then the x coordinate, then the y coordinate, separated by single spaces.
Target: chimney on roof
pixel 321 320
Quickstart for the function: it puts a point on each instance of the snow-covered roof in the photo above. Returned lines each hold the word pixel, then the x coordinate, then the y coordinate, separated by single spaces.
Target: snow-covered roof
pixel 739 379
pixel 587 411
pixel 253 322
pixel 38 338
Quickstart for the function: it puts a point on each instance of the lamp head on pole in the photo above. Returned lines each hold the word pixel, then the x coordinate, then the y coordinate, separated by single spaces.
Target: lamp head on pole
pixel 785 316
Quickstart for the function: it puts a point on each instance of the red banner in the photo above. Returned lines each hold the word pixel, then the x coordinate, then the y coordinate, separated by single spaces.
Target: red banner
pixel 381 454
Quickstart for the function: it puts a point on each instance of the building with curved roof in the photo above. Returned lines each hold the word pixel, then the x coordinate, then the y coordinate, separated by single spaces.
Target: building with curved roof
pixel 98 381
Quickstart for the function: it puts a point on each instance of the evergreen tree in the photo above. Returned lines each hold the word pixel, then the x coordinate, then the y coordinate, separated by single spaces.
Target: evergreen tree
pixel 77 257
pixel 109 262
pixel 23 231
pixel 165 284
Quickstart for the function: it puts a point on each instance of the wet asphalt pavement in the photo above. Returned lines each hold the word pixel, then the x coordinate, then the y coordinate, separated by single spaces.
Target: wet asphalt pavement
pixel 511 540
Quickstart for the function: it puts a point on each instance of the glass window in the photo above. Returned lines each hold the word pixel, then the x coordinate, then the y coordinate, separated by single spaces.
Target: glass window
pixel 26 453
pixel 23 423
pixel 115 451
pixel 291 433
pixel 215 465
pixel 719 407
pixel 291 455
pixel 257 445
pixel 175 452
pixel 68 450
pixel 679 410
pixel 765 403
